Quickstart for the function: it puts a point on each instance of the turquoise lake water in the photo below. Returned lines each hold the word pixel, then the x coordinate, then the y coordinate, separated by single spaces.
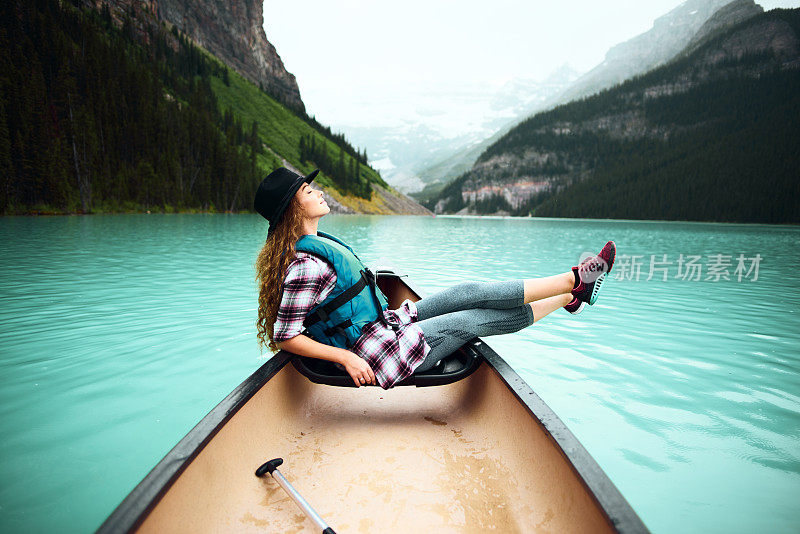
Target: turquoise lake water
pixel 119 333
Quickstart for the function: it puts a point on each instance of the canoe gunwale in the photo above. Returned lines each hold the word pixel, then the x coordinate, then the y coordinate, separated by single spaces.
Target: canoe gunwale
pixel 618 511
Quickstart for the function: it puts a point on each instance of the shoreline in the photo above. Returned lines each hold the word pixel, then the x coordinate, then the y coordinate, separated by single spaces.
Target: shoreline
pixel 54 213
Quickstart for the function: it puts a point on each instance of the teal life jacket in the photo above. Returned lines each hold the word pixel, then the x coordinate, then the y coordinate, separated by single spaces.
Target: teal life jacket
pixel 354 302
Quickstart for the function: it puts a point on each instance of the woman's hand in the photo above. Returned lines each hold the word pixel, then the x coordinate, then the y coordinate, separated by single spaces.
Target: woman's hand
pixel 358 369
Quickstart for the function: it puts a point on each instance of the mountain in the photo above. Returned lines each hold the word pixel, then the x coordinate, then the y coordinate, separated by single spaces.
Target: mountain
pixel 112 109
pixel 668 36
pixel 709 136
pixel 233 31
pixel 422 123
pixel 725 17
pixel 503 107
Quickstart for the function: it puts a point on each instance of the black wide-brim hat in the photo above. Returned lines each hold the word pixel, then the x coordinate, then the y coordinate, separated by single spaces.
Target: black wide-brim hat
pixel 276 191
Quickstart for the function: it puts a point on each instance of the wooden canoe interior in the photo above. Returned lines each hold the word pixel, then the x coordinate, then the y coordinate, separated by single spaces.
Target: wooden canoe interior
pixel 465 457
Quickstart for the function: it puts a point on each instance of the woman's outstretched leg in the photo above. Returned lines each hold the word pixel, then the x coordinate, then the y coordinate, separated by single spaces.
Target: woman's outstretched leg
pixel 544 307
pixel 549 286
pixel 470 295
pixel 494 295
pixel 583 280
pixel 447 332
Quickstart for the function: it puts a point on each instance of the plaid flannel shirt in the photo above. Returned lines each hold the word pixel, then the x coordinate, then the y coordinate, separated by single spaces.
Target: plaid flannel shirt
pixel 392 354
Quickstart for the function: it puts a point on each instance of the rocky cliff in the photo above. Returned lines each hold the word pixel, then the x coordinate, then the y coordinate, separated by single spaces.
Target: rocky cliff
pixel 232 30
pixel 727 16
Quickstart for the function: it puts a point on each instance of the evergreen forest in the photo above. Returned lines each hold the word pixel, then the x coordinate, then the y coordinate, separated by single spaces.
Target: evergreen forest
pixel 96 118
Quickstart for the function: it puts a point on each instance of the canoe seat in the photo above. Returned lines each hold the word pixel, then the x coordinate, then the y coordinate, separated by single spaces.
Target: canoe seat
pixel 454 367
pixel 458 365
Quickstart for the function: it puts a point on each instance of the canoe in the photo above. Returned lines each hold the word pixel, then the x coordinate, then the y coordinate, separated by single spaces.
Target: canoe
pixel 468 447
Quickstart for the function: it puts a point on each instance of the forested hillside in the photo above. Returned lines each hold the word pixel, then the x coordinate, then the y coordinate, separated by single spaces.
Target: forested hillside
pixel 93 119
pixel 711 136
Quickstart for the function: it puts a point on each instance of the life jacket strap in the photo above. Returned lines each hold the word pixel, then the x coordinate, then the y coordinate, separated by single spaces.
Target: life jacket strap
pixel 372 279
pixel 339 328
pixel 323 313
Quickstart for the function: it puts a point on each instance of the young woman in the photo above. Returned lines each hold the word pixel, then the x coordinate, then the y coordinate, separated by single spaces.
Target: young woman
pixel 317 299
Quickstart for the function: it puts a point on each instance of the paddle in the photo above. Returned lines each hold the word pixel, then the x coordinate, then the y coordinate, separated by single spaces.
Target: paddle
pixel 271 467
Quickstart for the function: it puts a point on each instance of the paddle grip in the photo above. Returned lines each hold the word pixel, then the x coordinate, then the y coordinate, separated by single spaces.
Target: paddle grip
pixel 269 467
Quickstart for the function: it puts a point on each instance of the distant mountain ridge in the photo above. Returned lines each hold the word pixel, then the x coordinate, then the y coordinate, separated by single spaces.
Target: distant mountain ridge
pixel 424 123
pixel 512 97
pixel 727 16
pixel 708 136
pixel 668 36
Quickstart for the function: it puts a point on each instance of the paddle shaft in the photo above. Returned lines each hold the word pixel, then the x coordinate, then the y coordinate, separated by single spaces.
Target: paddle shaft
pixel 272 468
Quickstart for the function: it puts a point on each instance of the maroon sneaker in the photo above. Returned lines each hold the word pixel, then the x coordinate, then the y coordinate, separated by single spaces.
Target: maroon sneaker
pixel 592 272
pixel 575 306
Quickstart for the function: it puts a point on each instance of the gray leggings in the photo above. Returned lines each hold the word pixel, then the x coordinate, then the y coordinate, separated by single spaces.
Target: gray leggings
pixel 452 317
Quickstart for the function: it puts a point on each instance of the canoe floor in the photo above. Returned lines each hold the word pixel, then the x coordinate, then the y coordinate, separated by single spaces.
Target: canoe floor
pixel 466 457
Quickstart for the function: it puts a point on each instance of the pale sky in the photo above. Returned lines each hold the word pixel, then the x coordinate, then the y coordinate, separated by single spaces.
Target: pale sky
pixel 346 51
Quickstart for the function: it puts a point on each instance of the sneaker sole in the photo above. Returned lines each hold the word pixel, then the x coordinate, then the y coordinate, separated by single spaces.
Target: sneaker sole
pixel 598 284
pixel 580 308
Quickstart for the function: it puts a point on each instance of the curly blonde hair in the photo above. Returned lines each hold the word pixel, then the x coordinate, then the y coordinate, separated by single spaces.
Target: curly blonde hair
pixel 271 264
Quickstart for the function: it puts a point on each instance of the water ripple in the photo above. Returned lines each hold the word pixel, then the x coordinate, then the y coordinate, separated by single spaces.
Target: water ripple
pixel 118 333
